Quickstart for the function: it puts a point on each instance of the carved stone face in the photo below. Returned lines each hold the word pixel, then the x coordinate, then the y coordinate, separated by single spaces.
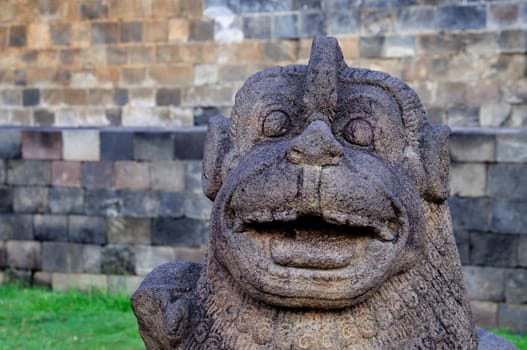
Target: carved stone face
pixel 319 186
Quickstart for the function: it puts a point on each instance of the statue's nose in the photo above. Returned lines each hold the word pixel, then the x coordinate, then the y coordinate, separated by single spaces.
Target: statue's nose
pixel 316 146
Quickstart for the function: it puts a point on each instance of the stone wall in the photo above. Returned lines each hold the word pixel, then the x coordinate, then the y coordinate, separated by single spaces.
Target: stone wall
pixel 106 215
pixel 175 62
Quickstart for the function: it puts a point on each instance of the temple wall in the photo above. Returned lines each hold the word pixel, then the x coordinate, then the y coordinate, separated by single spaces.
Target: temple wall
pixel 103 105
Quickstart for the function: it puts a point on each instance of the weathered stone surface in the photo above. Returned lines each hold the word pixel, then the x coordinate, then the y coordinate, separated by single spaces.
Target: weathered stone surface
pixel 30 199
pixel 87 229
pixel 116 145
pixel 491 249
pixel 197 206
pixel 485 283
pixel 41 145
pixel 512 316
pixel 153 146
pixel 120 284
pixel 139 204
pixel 28 172
pixel 6 199
pixel 42 279
pixel 468 179
pixel 508 216
pixel 473 148
pixel 118 260
pixel 130 175
pixel 51 228
pixel 74 145
pixel 188 145
pixel 522 251
pixel 485 313
pixel 167 176
pixel 23 255
pixel 294 261
pixel 61 257
pixel 515 286
pixel 147 258
pixel 470 213
pixel 16 227
pixel 103 202
pixel 507 181
pixel 511 148
pixel 65 200
pixel 97 174
pixel 128 230
pixel 10 143
pixel 62 282
pixel 171 204
pixel 3 255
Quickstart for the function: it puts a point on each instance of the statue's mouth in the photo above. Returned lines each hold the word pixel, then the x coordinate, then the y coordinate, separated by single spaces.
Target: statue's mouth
pixel 321 242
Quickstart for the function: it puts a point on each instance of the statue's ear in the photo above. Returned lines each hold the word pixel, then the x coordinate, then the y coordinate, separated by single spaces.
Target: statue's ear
pixel 436 161
pixel 217 144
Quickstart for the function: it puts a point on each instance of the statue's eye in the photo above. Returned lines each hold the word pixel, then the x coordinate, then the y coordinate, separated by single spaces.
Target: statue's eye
pixel 276 124
pixel 358 132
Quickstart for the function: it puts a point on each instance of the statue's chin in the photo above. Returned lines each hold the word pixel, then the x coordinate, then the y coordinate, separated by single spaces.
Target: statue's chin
pixel 310 263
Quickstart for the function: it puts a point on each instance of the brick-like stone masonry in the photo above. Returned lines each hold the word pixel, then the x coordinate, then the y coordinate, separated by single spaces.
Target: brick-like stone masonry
pixel 132 200
pixel 174 63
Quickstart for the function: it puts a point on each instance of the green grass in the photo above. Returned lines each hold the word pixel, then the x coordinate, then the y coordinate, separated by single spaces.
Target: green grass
pixel 41 319
pixel 517 339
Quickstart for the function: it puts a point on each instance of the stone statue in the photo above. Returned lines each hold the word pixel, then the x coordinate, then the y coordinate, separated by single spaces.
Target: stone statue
pixel 330 227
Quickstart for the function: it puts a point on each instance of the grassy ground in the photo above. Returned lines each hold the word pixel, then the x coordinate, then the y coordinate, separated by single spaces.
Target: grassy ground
pixel 40 319
pixel 35 319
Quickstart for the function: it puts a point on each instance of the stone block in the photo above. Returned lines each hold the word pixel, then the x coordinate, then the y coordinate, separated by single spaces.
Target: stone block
pixel 10 143
pixel 61 257
pixel 147 258
pixel 18 276
pixel 257 27
pixel 131 32
pixel 507 181
pixel 66 200
pixel 114 116
pixel 485 313
pixel 494 114
pixel 130 175
pixel 100 97
pixel 118 259
pixel 286 26
pixel 153 146
pixel 61 34
pixel 141 204
pixel 513 41
pixel 171 204
pixel 470 213
pixel 87 229
pixel 512 317
pixel 460 116
pixel 121 230
pixel 38 36
pixel 197 206
pixel 17 36
pixel 30 199
pixel 461 17
pixel 370 47
pixel 255 6
pixel 10 98
pixel 43 117
pixel 167 176
pixel 51 228
pixel 155 31
pixel 415 19
pixel 141 97
pixel 94 10
pixel 201 30
pixel 491 249
pixel 375 21
pixel 178 29
pixel 468 179
pixel 451 94
pixel 91 258
pixel 133 75
pixel 30 97
pixel 182 231
pixel 516 286
pixel 116 55
pixel 75 97
pixel 97 174
pixel 188 145
pixel 75 145
pixel 120 97
pixel 168 97
pixel 28 172
pixel 116 145
pixel 484 283
pixel 522 251
pixel 6 199
pixel 312 24
pixel 180 75
pixel 65 173
pixel 2 172
pixel 502 15
pixel 41 145
pixel 508 216
pixel 193 171
pixel 42 279
pixel 104 202
pixel 3 256
pixel 511 148
pixel 16 227
pixel 472 147
pixel 123 284
pixel 105 33
pixel 23 255
pixel 205 74
pixel 399 46
pixel 62 282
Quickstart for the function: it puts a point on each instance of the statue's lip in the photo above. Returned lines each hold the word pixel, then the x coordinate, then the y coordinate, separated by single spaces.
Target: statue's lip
pixel 386 229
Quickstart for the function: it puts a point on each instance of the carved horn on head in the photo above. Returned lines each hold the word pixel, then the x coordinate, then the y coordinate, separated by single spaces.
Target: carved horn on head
pixel 325 63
